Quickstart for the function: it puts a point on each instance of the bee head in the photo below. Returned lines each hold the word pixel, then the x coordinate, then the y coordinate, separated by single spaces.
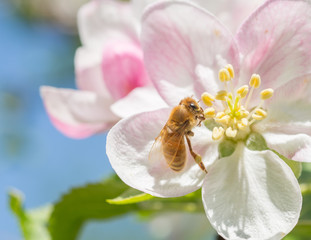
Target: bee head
pixel 192 105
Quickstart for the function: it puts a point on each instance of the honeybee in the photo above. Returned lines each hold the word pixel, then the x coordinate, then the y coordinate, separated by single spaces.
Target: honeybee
pixel 182 119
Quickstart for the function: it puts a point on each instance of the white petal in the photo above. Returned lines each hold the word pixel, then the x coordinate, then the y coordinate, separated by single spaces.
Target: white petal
pixel 75 113
pixel 290 117
pixel 296 147
pixel 129 143
pixel 140 100
pixel 298 89
pixel 251 195
pixel 99 21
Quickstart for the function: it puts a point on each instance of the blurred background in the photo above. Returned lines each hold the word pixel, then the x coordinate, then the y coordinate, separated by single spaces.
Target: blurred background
pixel 38 39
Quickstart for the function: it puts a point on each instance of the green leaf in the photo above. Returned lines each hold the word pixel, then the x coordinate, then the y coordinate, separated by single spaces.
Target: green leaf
pixel 130 196
pixel 295 166
pixel 256 142
pixel 33 222
pixel 90 202
pixel 85 203
pixel 226 148
pixel 302 231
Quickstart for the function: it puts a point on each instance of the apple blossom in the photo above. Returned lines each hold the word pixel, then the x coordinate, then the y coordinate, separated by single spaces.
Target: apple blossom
pixel 109 66
pixel 256 86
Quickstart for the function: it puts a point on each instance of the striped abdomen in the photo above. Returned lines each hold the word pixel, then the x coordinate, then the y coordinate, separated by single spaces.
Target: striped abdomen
pixel 174 150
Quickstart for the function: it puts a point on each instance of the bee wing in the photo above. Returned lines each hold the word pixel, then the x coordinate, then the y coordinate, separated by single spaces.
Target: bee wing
pixel 172 141
pixel 156 151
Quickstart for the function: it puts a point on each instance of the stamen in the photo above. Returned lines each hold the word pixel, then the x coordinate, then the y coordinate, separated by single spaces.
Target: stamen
pixel 218 132
pixel 209 112
pixel 242 124
pixel 220 115
pixel 242 91
pixel 244 121
pixel 266 94
pixel 261 113
pixel 255 81
pixel 223 120
pixel 221 95
pixel 257 117
pixel 231 132
pixel 224 75
pixel 229 102
pixel 243 113
pixel 207 99
pixel 235 119
pixel 236 103
pixel 230 70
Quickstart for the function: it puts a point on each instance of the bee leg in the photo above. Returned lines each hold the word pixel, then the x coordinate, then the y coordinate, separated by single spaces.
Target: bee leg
pixel 190 133
pixel 201 119
pixel 197 157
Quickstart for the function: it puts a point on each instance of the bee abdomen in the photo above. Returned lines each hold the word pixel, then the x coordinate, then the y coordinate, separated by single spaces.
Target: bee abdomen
pixel 174 152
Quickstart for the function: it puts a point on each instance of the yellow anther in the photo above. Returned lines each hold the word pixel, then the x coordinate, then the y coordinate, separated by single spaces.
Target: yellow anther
pixel 230 70
pixel 231 132
pixel 221 95
pixel 218 132
pixel 244 122
pixel 240 126
pixel 224 75
pixel 243 113
pixel 243 91
pixel 208 98
pixel 223 120
pixel 255 81
pixel 261 112
pixel 220 115
pixel 209 112
pixel 257 117
pixel 266 94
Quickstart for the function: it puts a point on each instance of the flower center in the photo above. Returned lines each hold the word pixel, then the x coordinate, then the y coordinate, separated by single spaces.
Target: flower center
pixel 235 119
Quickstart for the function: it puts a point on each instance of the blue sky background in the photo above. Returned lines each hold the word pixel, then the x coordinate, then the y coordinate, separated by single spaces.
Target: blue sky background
pixel 34 157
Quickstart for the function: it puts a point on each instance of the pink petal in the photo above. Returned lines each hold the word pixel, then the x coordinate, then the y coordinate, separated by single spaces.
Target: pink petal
pixel 77 114
pixel 140 100
pixel 89 76
pixel 128 146
pixel 106 19
pixel 123 68
pixel 230 12
pixel 275 42
pixel 175 45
